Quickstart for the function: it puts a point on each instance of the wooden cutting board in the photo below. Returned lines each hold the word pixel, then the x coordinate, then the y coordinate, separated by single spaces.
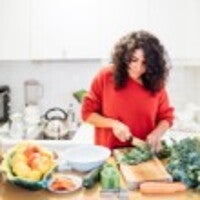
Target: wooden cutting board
pixel 134 175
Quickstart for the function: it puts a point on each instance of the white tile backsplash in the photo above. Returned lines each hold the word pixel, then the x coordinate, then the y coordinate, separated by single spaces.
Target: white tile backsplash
pixel 183 85
pixel 60 79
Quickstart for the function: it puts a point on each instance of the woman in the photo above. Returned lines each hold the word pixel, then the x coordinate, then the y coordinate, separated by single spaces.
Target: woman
pixel 128 97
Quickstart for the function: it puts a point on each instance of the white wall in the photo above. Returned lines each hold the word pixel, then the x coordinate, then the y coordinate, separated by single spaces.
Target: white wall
pixel 184 85
pixel 61 79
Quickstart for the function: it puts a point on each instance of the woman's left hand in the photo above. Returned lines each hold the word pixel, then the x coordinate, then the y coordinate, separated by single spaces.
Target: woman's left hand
pixel 154 140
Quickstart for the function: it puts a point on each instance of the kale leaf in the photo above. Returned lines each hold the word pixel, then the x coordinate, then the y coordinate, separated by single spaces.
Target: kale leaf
pixel 184 162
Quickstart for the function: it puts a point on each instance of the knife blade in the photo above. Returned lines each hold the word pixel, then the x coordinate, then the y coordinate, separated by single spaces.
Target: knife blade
pixel 137 142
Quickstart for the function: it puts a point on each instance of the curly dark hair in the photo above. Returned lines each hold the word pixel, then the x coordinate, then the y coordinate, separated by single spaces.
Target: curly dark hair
pixel 157 71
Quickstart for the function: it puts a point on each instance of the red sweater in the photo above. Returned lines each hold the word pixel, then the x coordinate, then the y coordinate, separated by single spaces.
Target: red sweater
pixel 133 105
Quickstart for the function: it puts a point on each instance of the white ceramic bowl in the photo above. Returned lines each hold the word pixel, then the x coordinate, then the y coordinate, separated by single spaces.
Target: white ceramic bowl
pixel 85 157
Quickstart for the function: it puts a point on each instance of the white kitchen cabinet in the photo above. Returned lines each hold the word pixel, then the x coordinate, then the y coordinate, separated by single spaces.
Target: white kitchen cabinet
pixel 63 29
pixel 118 18
pixel 176 23
pixel 14 30
pixel 79 29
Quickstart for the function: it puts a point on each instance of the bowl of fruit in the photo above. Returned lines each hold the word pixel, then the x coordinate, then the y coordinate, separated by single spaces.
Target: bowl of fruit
pixel 28 165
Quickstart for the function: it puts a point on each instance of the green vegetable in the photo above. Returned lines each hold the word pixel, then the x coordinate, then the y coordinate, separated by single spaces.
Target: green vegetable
pixel 137 155
pixel 165 151
pixel 184 162
pixel 110 178
pixel 92 177
pixel 23 182
pixel 79 95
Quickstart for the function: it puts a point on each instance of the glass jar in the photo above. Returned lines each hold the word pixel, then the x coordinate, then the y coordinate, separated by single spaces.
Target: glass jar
pixel 17 126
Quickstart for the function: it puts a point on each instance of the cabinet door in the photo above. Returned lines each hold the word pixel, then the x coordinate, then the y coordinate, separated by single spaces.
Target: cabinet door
pixel 118 18
pixel 83 31
pixel 177 25
pixel 63 29
pixel 193 31
pixel 14 30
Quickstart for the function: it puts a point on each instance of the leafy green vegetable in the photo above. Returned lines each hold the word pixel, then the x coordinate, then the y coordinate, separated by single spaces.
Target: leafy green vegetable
pixel 79 95
pixel 165 151
pixel 137 155
pixel 184 162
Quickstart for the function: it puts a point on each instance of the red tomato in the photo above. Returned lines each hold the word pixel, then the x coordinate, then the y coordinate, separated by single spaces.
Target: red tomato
pixel 32 158
pixel 30 150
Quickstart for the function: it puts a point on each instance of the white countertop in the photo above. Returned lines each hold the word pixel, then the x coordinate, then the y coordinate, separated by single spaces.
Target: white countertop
pixel 84 135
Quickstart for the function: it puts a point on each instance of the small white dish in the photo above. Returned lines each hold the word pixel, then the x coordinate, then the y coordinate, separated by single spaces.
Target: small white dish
pixel 74 179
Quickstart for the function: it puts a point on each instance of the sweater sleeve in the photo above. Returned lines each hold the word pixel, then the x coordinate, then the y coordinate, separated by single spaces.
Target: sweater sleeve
pixel 92 101
pixel 165 111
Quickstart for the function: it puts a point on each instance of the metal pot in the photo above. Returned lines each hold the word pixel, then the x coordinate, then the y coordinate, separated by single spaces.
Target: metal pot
pixel 56 125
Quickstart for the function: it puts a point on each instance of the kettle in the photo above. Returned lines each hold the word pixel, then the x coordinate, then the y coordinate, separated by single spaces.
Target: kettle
pixel 56 124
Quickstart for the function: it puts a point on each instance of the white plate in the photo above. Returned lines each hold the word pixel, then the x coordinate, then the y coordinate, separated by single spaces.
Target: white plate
pixel 75 179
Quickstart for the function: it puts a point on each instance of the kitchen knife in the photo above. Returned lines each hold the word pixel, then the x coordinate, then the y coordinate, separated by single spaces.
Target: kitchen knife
pixel 140 143
pixel 137 142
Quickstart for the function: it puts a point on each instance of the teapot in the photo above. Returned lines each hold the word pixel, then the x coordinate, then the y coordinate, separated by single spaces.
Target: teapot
pixel 56 124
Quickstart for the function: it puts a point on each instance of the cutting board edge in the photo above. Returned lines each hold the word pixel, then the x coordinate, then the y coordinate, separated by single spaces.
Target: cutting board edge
pixel 167 177
pixel 133 185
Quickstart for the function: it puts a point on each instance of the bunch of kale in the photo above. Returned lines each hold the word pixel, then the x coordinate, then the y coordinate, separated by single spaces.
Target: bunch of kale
pixel 184 162
pixel 137 155
pixel 143 153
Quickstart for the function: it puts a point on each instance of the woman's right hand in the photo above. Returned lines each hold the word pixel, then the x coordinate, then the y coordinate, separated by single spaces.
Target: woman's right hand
pixel 121 131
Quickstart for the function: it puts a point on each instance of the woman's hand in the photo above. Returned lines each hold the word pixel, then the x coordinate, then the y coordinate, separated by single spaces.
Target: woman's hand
pixel 154 140
pixel 121 131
